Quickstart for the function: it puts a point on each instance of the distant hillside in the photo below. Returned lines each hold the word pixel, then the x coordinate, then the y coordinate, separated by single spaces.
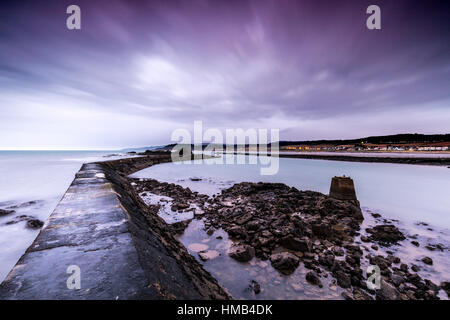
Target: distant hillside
pixel 391 139
pixel 142 149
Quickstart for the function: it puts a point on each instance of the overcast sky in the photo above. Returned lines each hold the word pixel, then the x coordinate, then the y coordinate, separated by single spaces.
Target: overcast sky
pixel 140 69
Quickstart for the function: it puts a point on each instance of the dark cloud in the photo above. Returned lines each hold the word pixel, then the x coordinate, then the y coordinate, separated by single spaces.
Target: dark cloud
pixel 139 69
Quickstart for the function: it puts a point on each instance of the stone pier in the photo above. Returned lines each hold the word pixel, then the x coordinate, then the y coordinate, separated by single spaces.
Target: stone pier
pixel 122 250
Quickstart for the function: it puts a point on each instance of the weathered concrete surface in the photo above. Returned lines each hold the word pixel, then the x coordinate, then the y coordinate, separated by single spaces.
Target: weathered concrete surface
pixel 128 166
pixel 99 227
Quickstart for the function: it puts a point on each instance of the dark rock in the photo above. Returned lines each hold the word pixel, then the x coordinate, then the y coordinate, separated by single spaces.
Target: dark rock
pixel 313 278
pixel 427 260
pixel 183 206
pixel 386 234
pixel 431 285
pixel 34 224
pixel 359 294
pixel 380 261
pixel 352 260
pixel 397 279
pixel 285 262
pixel 237 232
pixel 393 259
pixel 433 247
pixel 180 226
pixel 18 219
pixel 244 219
pixel 241 252
pixel 256 287
pixel 5 212
pixel 341 231
pixel 387 292
pixel 25 204
pixel 415 268
pixel 263 242
pixel 294 243
pixel 338 251
pixel 446 286
pixel 253 225
pixel 321 230
pixel 347 295
pixel 326 259
pixel 415 243
pixel 343 279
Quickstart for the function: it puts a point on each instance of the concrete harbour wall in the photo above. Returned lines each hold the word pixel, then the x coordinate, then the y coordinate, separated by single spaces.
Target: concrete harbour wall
pixel 123 249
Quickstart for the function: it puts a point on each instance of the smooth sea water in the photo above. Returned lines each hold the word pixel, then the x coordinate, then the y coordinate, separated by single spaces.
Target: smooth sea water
pixel 40 176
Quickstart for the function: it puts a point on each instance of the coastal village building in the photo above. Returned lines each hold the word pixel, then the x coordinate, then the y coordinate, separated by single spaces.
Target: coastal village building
pixel 400 147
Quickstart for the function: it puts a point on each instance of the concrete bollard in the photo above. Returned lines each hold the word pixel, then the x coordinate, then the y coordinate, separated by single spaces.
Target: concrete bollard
pixel 342 188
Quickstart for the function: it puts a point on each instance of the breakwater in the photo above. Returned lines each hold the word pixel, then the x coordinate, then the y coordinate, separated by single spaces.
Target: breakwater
pixel 430 161
pixel 121 250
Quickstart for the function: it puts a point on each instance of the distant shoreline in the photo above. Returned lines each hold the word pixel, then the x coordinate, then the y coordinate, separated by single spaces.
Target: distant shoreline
pixel 436 161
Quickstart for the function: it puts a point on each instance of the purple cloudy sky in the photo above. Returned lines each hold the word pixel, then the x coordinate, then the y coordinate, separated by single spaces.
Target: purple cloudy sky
pixel 140 69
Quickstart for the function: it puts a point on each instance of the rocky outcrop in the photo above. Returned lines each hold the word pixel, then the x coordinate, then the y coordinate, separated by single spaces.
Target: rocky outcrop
pixel 313 278
pixel 293 228
pixel 241 252
pixel 5 212
pixel 34 224
pixel 267 216
pixel 31 222
pixel 285 262
pixel 386 234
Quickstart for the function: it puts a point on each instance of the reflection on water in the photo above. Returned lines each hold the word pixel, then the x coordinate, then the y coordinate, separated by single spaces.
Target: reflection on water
pixel 170 216
pixel 237 277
